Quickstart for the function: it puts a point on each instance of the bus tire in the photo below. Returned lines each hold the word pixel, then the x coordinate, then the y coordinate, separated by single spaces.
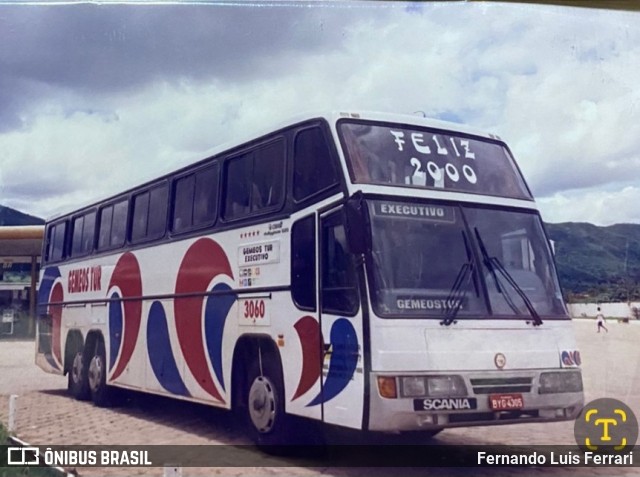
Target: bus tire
pixel 264 404
pixel 102 395
pixel 78 375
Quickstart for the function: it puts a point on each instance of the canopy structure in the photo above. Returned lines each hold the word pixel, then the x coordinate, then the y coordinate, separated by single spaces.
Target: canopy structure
pixel 21 245
pixel 21 241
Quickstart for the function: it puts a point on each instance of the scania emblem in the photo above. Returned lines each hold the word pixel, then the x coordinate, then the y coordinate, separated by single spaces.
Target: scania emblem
pixel 500 360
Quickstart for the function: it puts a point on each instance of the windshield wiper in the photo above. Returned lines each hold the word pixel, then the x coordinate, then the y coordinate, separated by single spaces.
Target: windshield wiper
pixel 457 293
pixel 493 264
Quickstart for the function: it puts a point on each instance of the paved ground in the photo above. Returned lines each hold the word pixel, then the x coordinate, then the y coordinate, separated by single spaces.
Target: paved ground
pixel 46 415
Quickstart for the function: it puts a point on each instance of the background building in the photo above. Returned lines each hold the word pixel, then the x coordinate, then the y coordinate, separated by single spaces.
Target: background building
pixel 20 249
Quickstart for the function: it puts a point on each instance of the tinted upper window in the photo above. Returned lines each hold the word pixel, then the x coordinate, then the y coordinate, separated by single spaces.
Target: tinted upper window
pixel 104 234
pixel 56 238
pixel 254 181
pixel 149 214
pixel 205 201
pixel 195 199
pixel 339 283
pixel 426 158
pixel 313 167
pixel 113 225
pixel 83 234
pixel 303 262
pixel 119 223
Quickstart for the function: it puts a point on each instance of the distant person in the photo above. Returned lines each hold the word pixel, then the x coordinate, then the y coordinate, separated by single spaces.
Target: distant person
pixel 600 319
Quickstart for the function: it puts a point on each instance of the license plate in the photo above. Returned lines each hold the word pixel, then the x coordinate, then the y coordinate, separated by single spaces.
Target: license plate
pixel 505 402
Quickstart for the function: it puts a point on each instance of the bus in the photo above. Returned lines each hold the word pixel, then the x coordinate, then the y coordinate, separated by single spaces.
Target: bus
pixel 376 272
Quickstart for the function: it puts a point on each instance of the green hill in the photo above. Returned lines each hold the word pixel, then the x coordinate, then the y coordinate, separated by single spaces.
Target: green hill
pixel 598 262
pixel 9 216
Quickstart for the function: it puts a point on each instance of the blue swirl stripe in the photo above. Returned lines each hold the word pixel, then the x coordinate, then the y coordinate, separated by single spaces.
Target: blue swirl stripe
pixel 215 317
pixel 115 328
pixel 161 356
pixel 343 361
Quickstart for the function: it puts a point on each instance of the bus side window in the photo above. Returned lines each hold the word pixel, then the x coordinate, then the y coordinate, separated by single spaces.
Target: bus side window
pixel 339 284
pixel 83 234
pixel 157 221
pixel 205 200
pixel 57 235
pixel 104 229
pixel 239 174
pixel 195 199
pixel 119 223
pixel 254 180
pixel 76 242
pixel 268 175
pixel 313 167
pixel 88 232
pixel 149 214
pixel 303 263
pixel 140 215
pixel 183 204
pixel 48 243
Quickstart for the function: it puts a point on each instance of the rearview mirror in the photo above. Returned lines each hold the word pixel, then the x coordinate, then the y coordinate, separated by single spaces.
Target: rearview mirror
pixel 356 224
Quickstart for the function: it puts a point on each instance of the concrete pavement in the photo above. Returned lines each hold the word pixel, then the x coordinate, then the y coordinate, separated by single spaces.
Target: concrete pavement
pixel 47 416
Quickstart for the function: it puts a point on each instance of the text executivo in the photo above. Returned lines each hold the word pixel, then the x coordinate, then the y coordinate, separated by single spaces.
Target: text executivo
pixel 434 213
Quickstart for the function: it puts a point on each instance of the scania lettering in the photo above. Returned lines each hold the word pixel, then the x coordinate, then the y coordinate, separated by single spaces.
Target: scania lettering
pixel 371 271
pixel 448 404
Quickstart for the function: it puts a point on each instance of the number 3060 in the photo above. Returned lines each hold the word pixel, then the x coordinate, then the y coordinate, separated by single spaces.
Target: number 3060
pixel 254 309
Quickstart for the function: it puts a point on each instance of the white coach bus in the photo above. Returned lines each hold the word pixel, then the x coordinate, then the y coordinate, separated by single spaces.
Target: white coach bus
pixel 372 271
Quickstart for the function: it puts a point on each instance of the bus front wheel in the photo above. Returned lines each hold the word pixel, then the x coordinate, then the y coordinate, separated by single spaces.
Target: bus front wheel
pixel 264 404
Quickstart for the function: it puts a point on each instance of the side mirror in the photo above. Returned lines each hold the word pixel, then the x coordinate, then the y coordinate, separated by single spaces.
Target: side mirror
pixel 356 224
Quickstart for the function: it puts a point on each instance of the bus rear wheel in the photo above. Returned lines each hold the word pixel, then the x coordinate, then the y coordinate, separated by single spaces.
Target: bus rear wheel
pixel 78 377
pixel 101 394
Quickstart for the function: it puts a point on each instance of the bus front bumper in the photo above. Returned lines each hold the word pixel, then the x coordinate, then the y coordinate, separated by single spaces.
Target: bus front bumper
pixel 490 398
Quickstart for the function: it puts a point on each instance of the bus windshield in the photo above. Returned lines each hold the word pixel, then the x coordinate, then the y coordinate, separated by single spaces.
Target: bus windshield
pixel 426 158
pixel 429 259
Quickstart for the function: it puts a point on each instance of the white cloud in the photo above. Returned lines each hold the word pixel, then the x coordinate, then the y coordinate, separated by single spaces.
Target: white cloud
pixel 558 84
pixel 597 207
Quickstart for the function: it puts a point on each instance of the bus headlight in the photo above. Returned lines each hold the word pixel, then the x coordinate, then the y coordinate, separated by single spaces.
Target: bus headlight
pixel 434 386
pixel 560 382
pixel 413 386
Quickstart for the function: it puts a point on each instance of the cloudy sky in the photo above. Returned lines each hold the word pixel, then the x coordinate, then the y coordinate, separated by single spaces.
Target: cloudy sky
pixel 96 98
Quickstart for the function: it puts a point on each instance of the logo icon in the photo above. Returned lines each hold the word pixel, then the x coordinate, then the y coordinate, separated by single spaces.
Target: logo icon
pixel 23 456
pixel 500 360
pixel 606 424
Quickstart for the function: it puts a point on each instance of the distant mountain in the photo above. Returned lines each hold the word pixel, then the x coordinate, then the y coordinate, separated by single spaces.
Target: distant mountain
pixel 593 262
pixel 9 216
pixel 602 262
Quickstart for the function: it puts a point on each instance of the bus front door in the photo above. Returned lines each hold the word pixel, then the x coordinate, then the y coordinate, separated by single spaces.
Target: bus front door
pixel 341 322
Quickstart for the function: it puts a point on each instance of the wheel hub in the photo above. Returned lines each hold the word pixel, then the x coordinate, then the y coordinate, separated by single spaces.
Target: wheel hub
pixel 77 368
pixel 262 404
pixel 96 368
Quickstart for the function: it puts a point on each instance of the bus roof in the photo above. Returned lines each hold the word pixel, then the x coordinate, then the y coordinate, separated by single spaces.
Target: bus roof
pixel 330 116
pixel 333 116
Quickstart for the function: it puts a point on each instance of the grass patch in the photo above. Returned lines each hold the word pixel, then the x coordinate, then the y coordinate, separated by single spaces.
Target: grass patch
pixel 19 471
